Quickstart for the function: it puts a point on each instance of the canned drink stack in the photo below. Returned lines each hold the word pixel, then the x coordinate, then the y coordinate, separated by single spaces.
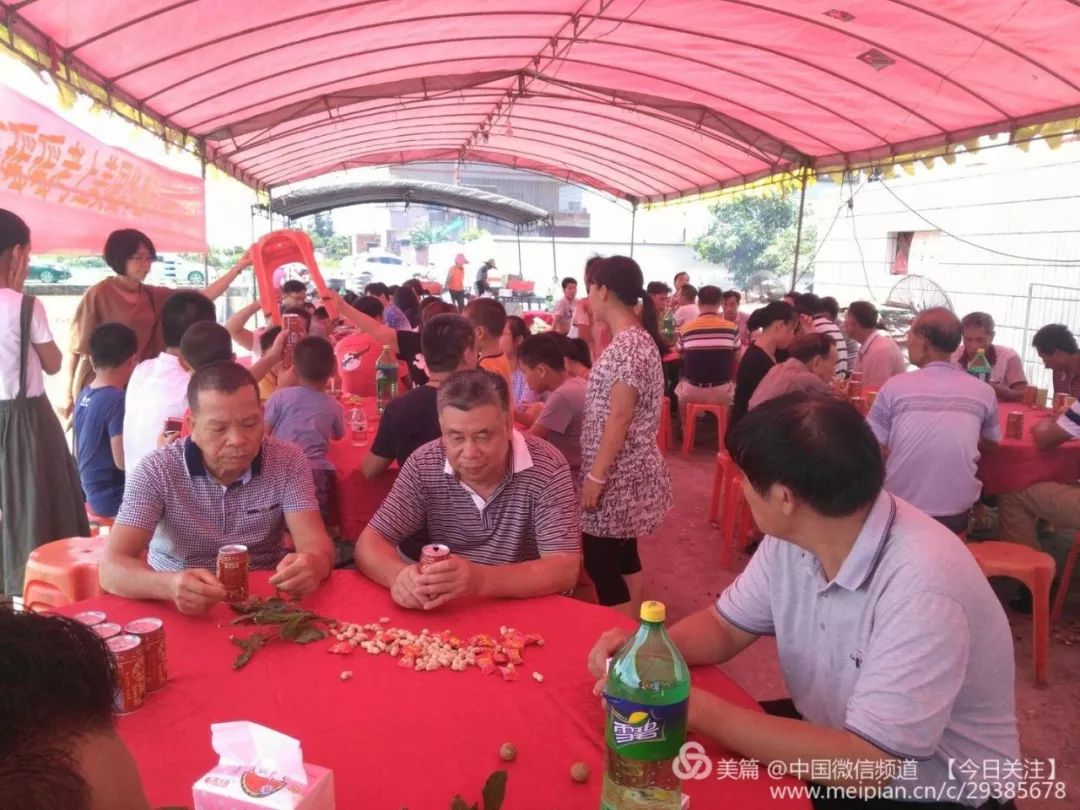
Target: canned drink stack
pixel 433 553
pixel 107 630
pixel 1014 425
pixel 90 617
pixel 130 694
pixel 152 632
pixel 232 570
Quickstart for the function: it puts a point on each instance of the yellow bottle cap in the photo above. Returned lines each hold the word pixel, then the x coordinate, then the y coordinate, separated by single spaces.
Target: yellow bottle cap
pixel 653 611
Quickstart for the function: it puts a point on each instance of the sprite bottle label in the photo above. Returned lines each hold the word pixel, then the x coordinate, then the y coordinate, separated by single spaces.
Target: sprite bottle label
pixel 645 732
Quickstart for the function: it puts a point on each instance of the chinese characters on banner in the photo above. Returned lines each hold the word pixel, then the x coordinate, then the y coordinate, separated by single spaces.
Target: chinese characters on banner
pixel 72 189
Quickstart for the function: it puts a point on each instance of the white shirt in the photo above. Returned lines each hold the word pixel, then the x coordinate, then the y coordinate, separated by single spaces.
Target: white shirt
pixel 10 308
pixel 879 359
pixel 686 313
pixel 157 390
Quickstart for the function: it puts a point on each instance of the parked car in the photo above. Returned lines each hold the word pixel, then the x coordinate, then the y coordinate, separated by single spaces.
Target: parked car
pixel 47 273
pixel 177 274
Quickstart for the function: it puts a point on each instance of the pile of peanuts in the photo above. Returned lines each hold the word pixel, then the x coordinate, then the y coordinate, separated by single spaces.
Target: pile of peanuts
pixel 430 651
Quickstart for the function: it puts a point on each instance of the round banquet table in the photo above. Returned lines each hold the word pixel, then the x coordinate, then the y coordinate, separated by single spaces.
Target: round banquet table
pixel 393 737
pixel 357 498
pixel 1017 463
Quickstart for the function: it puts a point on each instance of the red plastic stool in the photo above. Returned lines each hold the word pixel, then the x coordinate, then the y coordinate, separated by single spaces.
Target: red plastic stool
pixel 62 572
pixel 98 524
pixel 737 518
pixel 664 436
pixel 689 423
pixel 1065 580
pixel 1036 570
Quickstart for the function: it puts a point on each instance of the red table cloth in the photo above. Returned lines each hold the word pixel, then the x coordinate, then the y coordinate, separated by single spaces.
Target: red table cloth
pixel 394 737
pixel 357 498
pixel 1018 463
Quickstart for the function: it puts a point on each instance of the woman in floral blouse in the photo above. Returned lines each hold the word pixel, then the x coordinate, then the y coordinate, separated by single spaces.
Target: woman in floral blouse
pixel 626 489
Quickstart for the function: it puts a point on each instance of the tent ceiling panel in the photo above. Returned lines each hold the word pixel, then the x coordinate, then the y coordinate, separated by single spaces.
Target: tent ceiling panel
pixel 651 99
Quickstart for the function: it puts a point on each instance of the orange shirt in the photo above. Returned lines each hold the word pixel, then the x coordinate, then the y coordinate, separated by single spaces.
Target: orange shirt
pixel 497 364
pixel 456 280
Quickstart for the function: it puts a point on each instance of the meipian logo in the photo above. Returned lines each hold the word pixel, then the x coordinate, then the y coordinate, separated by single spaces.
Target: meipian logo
pixel 692 762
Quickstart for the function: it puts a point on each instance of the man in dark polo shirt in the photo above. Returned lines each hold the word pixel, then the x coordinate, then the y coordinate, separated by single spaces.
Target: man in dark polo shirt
pixel 895 651
pixel 228 482
pixel 411 420
pixel 502 501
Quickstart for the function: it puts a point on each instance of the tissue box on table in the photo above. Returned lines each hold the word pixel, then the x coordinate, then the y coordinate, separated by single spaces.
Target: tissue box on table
pixel 260 768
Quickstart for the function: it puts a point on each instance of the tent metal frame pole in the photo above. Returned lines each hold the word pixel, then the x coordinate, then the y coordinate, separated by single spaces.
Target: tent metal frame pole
pixel 521 266
pixel 270 206
pixel 798 232
pixel 633 226
pixel 206 253
pixel 554 255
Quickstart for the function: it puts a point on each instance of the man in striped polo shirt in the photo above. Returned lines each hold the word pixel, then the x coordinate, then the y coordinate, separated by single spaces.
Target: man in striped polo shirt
pixel 502 501
pixel 709 345
pixel 825 325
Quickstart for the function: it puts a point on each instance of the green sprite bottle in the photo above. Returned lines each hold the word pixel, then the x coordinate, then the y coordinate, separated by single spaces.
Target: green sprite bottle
pixel 980 367
pixel 647 695
pixel 386 371
pixel 667 325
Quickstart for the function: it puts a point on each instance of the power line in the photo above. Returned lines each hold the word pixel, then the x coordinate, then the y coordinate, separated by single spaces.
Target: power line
pixel 976 245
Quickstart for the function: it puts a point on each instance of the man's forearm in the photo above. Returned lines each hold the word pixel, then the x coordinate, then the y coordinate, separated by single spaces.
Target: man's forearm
pixel 552 574
pixel 377 559
pixel 779 739
pixel 373 466
pixel 702 639
pixel 71 365
pixel 133 578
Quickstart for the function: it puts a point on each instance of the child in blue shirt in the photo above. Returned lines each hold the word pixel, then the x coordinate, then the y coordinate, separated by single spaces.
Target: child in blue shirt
pixel 99 418
pixel 307 416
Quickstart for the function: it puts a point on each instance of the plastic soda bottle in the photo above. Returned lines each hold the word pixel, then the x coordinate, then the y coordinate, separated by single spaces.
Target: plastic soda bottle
pixel 647 694
pixel 667 325
pixel 386 370
pixel 980 366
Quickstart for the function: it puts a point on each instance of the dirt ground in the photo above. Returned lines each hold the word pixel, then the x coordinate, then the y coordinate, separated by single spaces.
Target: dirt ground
pixel 682 568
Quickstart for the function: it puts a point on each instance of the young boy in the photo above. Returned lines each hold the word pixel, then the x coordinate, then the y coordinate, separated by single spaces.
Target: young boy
pixel 488 319
pixel 99 418
pixel 306 416
pixel 560 418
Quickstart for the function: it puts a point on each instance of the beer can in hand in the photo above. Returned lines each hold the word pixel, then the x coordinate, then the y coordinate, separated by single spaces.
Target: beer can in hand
pixel 152 632
pixel 1031 393
pixel 295 330
pixel 130 693
pixel 433 553
pixel 1014 425
pixel 1059 403
pixel 232 570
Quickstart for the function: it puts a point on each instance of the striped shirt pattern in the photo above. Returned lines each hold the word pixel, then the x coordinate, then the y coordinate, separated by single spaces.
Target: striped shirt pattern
pixel 534 512
pixel 824 326
pixel 192 516
pixel 708 344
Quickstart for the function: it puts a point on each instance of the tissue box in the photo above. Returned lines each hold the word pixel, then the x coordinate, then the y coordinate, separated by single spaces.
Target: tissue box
pixel 236 787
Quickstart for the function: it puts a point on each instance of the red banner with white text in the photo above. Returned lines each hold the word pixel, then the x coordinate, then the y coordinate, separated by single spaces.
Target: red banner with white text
pixel 73 190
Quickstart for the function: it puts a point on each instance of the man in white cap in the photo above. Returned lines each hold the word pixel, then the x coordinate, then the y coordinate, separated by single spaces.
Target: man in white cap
pixel 455 281
pixel 482 277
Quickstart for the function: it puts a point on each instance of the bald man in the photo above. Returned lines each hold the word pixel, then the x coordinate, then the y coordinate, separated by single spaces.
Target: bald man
pixel 934 423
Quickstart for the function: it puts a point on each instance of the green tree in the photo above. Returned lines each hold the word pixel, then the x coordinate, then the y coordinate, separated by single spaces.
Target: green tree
pixel 323 224
pixel 422 235
pixel 753 237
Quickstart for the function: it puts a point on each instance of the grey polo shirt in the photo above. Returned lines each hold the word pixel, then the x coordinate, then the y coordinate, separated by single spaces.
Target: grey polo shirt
pixel 907 647
pixel 172 494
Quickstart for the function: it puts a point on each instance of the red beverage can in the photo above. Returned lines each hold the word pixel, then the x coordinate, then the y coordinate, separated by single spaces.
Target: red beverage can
pixel 152 632
pixel 856 376
pixel 130 691
pixel 295 330
pixel 433 553
pixel 89 617
pixel 1031 393
pixel 854 388
pixel 232 570
pixel 1014 425
pixel 173 424
pixel 860 405
pixel 107 630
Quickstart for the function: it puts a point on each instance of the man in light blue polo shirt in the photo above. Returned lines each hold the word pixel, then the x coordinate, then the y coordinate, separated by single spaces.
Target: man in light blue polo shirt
pixel 934 422
pixel 892 643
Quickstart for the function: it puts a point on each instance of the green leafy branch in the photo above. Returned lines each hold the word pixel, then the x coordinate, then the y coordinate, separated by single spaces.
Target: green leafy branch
pixel 294 624
pixel 493 794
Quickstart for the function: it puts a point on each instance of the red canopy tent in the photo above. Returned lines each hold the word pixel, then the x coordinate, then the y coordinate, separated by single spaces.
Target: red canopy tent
pixel 646 99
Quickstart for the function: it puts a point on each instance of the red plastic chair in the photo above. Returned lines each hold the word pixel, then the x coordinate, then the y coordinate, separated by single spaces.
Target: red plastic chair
pixel 274 250
pixel 98 524
pixel 1036 570
pixel 689 423
pixel 1065 580
pixel 727 490
pixel 62 572
pixel 665 437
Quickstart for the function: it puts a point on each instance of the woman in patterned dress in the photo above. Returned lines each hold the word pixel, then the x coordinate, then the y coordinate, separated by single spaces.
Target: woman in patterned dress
pixel 625 489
